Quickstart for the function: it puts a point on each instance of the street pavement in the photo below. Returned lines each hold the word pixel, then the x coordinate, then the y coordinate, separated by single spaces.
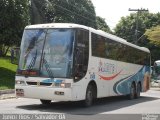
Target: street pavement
pixel 111 108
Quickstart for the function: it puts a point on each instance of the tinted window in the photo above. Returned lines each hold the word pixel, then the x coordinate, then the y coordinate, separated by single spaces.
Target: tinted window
pixel 81 53
pixel 110 49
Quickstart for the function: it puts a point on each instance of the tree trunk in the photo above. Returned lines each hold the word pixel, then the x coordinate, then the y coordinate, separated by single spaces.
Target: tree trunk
pixel 3 50
pixel 6 50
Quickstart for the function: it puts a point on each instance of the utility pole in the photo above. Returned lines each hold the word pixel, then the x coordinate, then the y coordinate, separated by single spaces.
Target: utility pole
pixel 136 31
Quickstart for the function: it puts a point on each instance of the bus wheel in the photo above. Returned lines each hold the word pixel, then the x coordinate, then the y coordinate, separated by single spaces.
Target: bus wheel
pixel 89 96
pixel 132 92
pixel 45 102
pixel 138 91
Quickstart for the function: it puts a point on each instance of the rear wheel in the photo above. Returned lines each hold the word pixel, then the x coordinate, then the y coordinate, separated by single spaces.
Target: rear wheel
pixel 89 96
pixel 132 92
pixel 138 91
pixel 45 102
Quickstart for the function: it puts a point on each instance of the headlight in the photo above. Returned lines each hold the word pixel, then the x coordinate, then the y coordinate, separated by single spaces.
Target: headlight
pixel 65 85
pixel 18 82
pixel 61 83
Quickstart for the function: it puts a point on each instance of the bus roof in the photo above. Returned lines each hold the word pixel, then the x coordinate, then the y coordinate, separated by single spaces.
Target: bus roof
pixel 100 32
pixel 157 61
pixel 56 25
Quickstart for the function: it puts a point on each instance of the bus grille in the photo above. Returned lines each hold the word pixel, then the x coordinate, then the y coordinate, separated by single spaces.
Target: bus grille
pixel 39 83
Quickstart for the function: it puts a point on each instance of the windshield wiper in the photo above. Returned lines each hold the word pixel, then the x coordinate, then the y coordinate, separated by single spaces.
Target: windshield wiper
pixel 48 67
pixel 33 61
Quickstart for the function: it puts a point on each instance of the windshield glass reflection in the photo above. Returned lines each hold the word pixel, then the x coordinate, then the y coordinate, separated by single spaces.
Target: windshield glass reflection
pixel 31 49
pixel 48 51
pixel 57 59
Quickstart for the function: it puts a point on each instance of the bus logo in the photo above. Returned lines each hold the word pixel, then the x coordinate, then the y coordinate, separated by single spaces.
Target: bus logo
pixel 108 68
pixel 105 67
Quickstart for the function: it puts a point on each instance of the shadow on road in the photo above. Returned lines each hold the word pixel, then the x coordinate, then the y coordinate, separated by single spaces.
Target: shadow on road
pixel 75 108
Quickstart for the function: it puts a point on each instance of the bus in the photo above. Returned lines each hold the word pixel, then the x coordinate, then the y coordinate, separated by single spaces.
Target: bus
pixel 71 62
pixel 156 71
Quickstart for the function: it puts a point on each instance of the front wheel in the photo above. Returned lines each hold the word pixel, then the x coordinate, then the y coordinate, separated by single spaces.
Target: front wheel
pixel 45 102
pixel 89 96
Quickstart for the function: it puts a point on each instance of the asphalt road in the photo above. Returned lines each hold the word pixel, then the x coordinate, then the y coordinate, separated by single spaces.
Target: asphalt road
pixel 112 108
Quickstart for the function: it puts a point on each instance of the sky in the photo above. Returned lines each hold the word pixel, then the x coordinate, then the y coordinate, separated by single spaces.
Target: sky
pixel 113 10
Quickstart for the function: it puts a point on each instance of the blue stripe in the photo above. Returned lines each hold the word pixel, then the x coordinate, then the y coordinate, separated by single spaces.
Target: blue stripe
pixel 52 81
pixel 122 86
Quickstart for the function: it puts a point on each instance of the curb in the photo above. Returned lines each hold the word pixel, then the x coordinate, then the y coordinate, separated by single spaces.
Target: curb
pixel 155 88
pixel 9 91
pixel 7 94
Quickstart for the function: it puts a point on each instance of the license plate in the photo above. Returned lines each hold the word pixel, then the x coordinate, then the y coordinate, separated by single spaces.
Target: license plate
pixel 20 92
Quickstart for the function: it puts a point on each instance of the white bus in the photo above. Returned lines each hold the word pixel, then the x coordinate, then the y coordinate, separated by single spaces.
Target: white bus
pixel 156 71
pixel 71 62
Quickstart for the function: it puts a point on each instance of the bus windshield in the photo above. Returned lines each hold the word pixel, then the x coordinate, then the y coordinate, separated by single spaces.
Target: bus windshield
pixel 48 52
pixel 157 68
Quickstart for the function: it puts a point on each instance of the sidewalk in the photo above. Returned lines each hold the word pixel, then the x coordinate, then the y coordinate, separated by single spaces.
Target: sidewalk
pixel 7 94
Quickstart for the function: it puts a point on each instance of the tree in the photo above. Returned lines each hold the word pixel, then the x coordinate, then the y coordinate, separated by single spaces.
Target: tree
pixel 153 35
pixel 69 11
pixel 14 17
pixel 41 11
pixel 127 25
pixel 75 11
pixel 102 25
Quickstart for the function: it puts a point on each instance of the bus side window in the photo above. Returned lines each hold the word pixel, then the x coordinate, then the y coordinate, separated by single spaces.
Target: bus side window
pixel 81 54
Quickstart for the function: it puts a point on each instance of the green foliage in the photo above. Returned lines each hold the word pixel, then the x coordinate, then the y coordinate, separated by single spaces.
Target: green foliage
pixel 68 11
pixel 7 71
pixel 16 14
pixel 38 11
pixel 14 17
pixel 102 25
pixel 155 51
pixel 75 11
pixel 153 35
pixel 127 25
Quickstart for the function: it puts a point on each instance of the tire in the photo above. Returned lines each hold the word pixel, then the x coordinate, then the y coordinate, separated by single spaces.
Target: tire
pixel 45 102
pixel 138 91
pixel 89 96
pixel 131 95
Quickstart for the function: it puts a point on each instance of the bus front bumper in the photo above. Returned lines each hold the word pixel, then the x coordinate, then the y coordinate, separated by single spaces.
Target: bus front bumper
pixel 45 93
